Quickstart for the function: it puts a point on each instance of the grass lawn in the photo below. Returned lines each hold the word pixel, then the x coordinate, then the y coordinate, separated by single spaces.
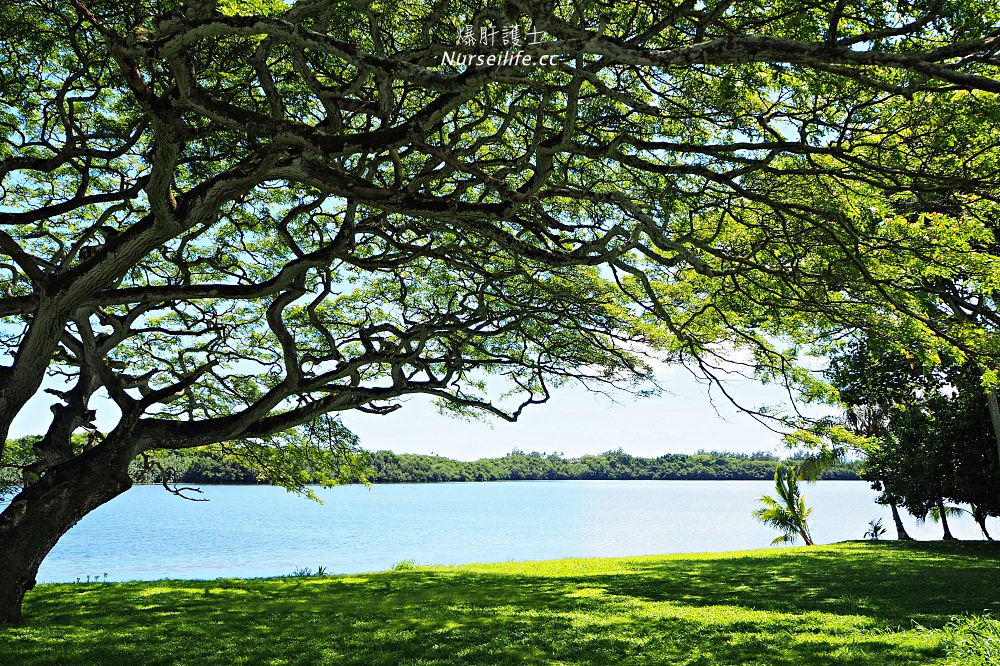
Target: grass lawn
pixel 850 603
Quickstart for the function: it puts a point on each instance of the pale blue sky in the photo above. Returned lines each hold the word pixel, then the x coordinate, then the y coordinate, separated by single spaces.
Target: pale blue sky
pixel 574 422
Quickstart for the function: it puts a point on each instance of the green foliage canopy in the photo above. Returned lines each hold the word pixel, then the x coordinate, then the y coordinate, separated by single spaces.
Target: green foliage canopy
pixel 233 219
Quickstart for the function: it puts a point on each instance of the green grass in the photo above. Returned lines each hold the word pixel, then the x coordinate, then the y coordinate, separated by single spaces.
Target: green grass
pixel 851 603
pixel 973 640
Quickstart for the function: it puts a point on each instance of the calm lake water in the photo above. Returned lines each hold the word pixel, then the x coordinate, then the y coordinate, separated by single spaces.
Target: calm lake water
pixel 246 531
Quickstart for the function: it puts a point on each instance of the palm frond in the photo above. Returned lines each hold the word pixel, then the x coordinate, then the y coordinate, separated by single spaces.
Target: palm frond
pixel 789 537
pixel 789 512
pixel 949 512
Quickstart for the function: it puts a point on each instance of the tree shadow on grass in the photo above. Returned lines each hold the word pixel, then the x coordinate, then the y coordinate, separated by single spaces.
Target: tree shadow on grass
pixel 849 604
pixel 890 582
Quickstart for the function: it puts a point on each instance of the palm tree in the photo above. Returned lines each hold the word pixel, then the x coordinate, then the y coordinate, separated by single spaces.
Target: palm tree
pixel 788 513
pixel 940 514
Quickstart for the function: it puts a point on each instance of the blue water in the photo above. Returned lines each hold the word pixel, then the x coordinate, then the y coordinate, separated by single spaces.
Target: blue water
pixel 246 531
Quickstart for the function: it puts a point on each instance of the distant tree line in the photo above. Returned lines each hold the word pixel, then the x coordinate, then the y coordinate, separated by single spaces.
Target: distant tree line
pixel 388 467
pixel 207 466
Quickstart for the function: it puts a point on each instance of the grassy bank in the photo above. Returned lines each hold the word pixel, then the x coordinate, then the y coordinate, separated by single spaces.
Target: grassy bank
pixel 852 603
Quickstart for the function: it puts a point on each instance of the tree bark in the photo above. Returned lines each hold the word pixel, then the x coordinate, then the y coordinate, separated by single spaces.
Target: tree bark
pixel 901 534
pixel 944 521
pixel 994 407
pixel 980 517
pixel 42 512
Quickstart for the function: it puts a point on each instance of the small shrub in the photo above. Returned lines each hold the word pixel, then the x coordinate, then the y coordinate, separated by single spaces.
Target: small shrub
pixel 404 565
pixel 875 530
pixel 304 572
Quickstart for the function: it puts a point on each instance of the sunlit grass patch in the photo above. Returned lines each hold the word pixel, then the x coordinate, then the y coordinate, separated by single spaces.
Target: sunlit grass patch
pixel 972 640
pixel 852 603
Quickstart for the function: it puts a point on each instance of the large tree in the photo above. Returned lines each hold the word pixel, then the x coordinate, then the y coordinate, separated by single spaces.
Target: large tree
pixel 235 219
pixel 930 438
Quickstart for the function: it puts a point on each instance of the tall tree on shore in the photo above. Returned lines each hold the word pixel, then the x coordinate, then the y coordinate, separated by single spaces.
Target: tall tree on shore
pixel 932 439
pixel 236 220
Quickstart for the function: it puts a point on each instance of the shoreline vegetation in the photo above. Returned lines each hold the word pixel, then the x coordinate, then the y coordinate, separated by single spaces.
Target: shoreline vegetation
pixel 213 467
pixel 868 603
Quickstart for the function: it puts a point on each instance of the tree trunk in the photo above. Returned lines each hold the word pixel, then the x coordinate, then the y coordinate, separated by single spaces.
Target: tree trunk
pixel 901 534
pixel 42 512
pixel 991 402
pixel 982 525
pixel 980 517
pixel 944 521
